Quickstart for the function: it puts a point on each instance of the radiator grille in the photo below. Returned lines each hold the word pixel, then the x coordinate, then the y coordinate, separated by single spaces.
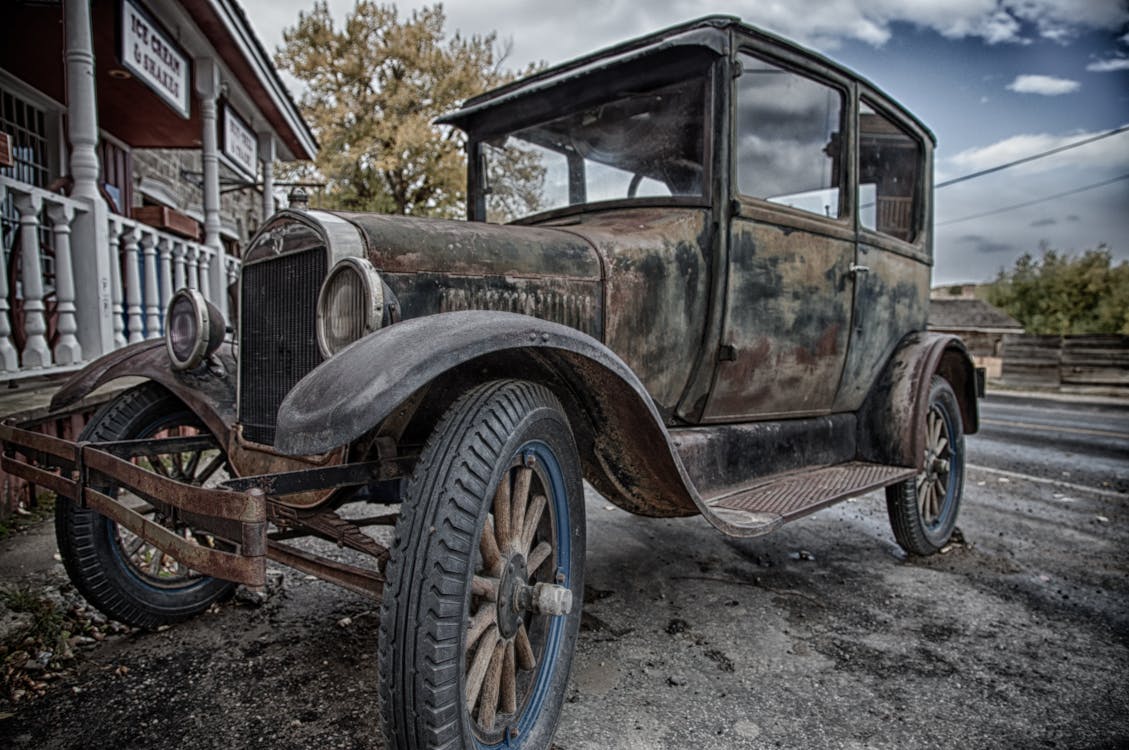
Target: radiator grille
pixel 278 329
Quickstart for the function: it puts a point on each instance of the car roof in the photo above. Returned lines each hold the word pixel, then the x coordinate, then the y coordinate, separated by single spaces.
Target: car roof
pixel 710 32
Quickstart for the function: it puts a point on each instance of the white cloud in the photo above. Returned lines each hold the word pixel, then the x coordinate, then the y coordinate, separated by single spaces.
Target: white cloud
pixel 1044 85
pixel 1109 65
pixel 1107 153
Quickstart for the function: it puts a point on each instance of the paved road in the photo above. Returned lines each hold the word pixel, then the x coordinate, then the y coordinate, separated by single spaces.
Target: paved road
pixel 1070 441
pixel 821 635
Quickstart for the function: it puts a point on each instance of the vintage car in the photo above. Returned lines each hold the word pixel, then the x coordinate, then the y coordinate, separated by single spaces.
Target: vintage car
pixel 695 273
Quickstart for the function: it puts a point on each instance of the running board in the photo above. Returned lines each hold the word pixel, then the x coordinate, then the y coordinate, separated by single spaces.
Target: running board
pixel 772 501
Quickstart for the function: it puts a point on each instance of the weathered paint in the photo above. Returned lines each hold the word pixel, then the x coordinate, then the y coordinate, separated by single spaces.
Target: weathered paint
pixel 890 302
pixel 656 291
pixel 787 312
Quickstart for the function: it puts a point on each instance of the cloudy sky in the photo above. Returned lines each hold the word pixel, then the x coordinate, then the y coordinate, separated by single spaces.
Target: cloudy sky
pixel 996 80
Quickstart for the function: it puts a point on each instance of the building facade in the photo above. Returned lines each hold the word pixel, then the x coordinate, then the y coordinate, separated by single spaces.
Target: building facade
pixel 137 139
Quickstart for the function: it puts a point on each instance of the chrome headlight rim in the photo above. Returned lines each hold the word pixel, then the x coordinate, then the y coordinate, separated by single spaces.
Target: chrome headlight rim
pixel 372 307
pixel 206 334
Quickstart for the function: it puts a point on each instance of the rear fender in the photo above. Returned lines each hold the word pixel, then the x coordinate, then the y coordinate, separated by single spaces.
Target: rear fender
pixel 626 450
pixel 209 390
pixel 891 421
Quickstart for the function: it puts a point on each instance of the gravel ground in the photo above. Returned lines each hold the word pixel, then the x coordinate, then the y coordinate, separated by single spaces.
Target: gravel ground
pixel 822 635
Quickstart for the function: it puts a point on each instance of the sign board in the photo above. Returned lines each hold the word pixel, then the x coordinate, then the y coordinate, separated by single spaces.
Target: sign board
pixel 154 59
pixel 238 142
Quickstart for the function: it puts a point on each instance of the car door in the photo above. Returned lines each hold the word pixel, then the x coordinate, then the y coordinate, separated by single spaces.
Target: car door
pixel 791 240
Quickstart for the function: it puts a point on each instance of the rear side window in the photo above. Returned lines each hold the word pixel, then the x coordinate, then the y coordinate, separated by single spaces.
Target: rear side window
pixel 788 138
pixel 890 170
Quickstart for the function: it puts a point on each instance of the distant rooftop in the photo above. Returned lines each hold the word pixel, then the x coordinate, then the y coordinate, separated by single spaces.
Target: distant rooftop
pixel 964 313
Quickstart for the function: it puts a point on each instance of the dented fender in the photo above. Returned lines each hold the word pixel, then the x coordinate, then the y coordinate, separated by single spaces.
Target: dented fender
pixel 209 390
pixel 891 422
pixel 625 447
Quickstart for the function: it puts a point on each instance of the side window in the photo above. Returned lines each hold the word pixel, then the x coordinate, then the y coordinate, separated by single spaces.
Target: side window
pixel 889 175
pixel 788 138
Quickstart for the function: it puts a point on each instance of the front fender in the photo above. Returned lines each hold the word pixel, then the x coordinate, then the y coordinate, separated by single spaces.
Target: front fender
pixel 208 391
pixel 631 458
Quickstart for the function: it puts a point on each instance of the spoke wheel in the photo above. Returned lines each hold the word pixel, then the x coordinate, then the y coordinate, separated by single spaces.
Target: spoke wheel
pixel 118 572
pixel 923 510
pixel 482 605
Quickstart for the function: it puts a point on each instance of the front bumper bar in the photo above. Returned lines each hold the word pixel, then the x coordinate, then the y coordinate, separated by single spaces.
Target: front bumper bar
pixel 83 471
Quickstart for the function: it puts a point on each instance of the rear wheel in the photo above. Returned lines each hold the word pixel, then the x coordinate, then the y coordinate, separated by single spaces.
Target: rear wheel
pixel 118 572
pixel 923 510
pixel 482 606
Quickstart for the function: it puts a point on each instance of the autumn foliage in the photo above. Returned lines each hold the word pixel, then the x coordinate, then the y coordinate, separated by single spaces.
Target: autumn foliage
pixel 373 87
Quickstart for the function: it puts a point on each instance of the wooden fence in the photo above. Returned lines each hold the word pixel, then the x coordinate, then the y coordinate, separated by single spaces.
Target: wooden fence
pixel 1072 362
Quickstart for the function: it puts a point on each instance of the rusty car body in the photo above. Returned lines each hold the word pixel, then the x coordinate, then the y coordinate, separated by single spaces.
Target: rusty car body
pixel 695 272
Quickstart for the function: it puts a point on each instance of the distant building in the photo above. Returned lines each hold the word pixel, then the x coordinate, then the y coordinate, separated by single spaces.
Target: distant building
pixel 979 324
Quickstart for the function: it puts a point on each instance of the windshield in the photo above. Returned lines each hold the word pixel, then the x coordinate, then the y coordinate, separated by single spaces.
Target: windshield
pixel 643 144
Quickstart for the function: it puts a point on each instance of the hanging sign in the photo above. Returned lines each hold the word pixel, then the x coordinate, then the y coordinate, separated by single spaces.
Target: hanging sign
pixel 154 59
pixel 238 142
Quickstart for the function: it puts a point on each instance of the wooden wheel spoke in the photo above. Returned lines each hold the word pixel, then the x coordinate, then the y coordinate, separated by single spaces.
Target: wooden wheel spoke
pixel 156 465
pixel 211 468
pixel 485 587
pixel 523 650
pixel 941 445
pixel 491 685
pixel 193 463
pixel 488 545
pixel 480 623
pixel 536 508
pixel 508 703
pixel 155 562
pixel 502 513
pixel 520 501
pixel 477 673
pixel 538 556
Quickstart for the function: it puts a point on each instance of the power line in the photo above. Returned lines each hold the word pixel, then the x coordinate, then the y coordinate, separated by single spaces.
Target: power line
pixel 1033 202
pixel 1033 157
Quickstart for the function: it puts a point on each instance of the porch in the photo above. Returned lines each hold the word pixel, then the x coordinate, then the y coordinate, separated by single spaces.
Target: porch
pixel 94 246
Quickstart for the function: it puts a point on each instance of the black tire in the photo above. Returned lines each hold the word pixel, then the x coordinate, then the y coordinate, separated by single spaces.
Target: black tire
pixel 94 548
pixel 490 439
pixel 923 510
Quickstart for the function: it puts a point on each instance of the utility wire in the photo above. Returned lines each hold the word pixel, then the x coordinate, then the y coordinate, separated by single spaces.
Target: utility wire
pixel 1033 202
pixel 1026 159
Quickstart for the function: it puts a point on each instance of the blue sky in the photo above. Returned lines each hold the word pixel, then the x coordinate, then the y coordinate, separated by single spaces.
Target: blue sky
pixel 996 80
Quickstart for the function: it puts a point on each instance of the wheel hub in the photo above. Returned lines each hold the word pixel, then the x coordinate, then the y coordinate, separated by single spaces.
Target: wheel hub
pixel 510 596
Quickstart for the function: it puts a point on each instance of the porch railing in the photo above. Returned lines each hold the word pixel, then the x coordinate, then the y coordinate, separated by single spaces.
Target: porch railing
pixel 39 328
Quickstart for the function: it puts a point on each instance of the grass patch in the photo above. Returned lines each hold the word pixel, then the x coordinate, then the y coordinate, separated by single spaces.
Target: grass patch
pixel 22 518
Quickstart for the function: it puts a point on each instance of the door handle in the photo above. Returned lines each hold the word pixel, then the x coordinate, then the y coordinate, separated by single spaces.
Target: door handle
pixel 856 269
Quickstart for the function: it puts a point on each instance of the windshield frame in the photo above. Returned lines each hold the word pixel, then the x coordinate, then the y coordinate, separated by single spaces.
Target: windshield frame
pixel 668 69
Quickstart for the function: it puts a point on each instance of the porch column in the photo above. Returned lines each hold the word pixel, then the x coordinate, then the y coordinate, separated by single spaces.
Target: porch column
pixel 91 235
pixel 208 87
pixel 266 155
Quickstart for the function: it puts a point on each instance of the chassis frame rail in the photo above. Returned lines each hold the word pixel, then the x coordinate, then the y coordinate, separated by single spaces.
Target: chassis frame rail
pixel 76 469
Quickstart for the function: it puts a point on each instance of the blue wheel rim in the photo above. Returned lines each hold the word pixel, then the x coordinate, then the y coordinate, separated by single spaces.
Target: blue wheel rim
pixel 542 682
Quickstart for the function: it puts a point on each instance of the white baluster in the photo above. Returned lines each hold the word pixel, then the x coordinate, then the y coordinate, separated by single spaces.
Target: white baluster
pixel 152 301
pixel 118 310
pixel 205 268
pixel 179 259
pixel 9 357
pixel 192 252
pixel 164 252
pixel 131 255
pixel 36 352
pixel 67 350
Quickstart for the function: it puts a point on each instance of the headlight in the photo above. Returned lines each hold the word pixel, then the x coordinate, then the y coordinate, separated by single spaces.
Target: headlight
pixel 350 304
pixel 194 329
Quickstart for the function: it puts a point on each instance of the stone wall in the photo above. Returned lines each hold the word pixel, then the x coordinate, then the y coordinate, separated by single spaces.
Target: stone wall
pixel 240 210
